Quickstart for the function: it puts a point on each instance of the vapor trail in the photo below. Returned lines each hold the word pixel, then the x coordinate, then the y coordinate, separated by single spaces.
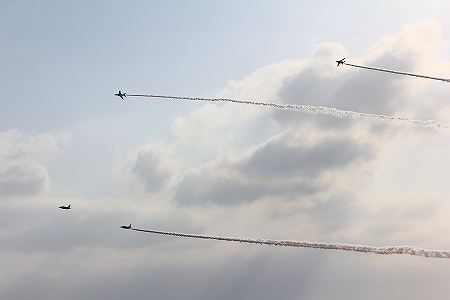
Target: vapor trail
pixel 347 114
pixel 315 245
pixel 397 72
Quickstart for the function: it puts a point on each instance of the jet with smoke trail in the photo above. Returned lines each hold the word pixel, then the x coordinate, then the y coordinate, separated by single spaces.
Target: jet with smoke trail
pixel 342 62
pixel 347 114
pixel 121 95
pixel 315 245
pixel 339 62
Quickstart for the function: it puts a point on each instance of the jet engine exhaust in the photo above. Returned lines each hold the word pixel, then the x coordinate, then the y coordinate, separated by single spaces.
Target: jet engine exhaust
pixel 397 72
pixel 409 250
pixel 347 114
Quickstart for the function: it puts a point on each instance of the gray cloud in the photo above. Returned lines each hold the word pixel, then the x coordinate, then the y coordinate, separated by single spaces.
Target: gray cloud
pixel 277 158
pixel 273 169
pixel 23 179
pixel 146 169
pixel 308 87
pixel 154 167
pixel 207 187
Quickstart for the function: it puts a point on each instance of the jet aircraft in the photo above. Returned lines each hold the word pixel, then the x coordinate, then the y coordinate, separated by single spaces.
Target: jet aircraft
pixel 126 227
pixel 65 207
pixel 339 62
pixel 121 95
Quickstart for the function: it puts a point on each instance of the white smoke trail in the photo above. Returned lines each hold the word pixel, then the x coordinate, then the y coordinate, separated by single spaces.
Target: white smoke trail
pixel 347 114
pixel 316 245
pixel 397 72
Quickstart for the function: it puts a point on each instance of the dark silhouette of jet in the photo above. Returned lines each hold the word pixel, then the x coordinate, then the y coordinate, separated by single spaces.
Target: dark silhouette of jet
pixel 65 207
pixel 126 227
pixel 121 95
pixel 339 62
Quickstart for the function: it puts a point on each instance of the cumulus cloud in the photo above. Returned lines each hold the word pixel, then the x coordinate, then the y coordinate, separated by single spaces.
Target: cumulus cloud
pixel 299 155
pixel 21 170
pixel 301 151
pixel 311 167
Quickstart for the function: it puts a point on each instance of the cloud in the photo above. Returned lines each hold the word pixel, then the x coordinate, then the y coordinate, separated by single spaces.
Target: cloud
pixel 23 179
pixel 415 50
pixel 362 92
pixel 280 157
pixel 201 126
pixel 276 168
pixel 335 213
pixel 316 161
pixel 299 163
pixel 21 171
pixel 152 165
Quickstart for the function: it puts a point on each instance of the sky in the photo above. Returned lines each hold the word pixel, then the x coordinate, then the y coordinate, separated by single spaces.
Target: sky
pixel 220 168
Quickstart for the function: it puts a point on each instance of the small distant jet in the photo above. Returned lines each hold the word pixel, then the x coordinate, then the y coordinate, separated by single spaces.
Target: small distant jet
pixel 339 62
pixel 65 207
pixel 126 227
pixel 121 95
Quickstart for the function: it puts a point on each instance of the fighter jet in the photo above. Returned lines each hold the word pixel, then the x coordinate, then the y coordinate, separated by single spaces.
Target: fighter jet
pixel 126 227
pixel 339 62
pixel 121 95
pixel 65 207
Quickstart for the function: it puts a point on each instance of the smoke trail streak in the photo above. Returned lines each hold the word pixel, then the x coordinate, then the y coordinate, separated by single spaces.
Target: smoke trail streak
pixel 315 245
pixel 397 72
pixel 347 114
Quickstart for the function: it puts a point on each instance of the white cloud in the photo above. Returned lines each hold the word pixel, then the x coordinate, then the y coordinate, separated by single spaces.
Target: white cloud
pixel 21 170
pixel 202 125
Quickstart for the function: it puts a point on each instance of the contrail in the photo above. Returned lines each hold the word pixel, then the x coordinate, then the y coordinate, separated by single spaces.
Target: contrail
pixel 397 72
pixel 316 245
pixel 347 114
